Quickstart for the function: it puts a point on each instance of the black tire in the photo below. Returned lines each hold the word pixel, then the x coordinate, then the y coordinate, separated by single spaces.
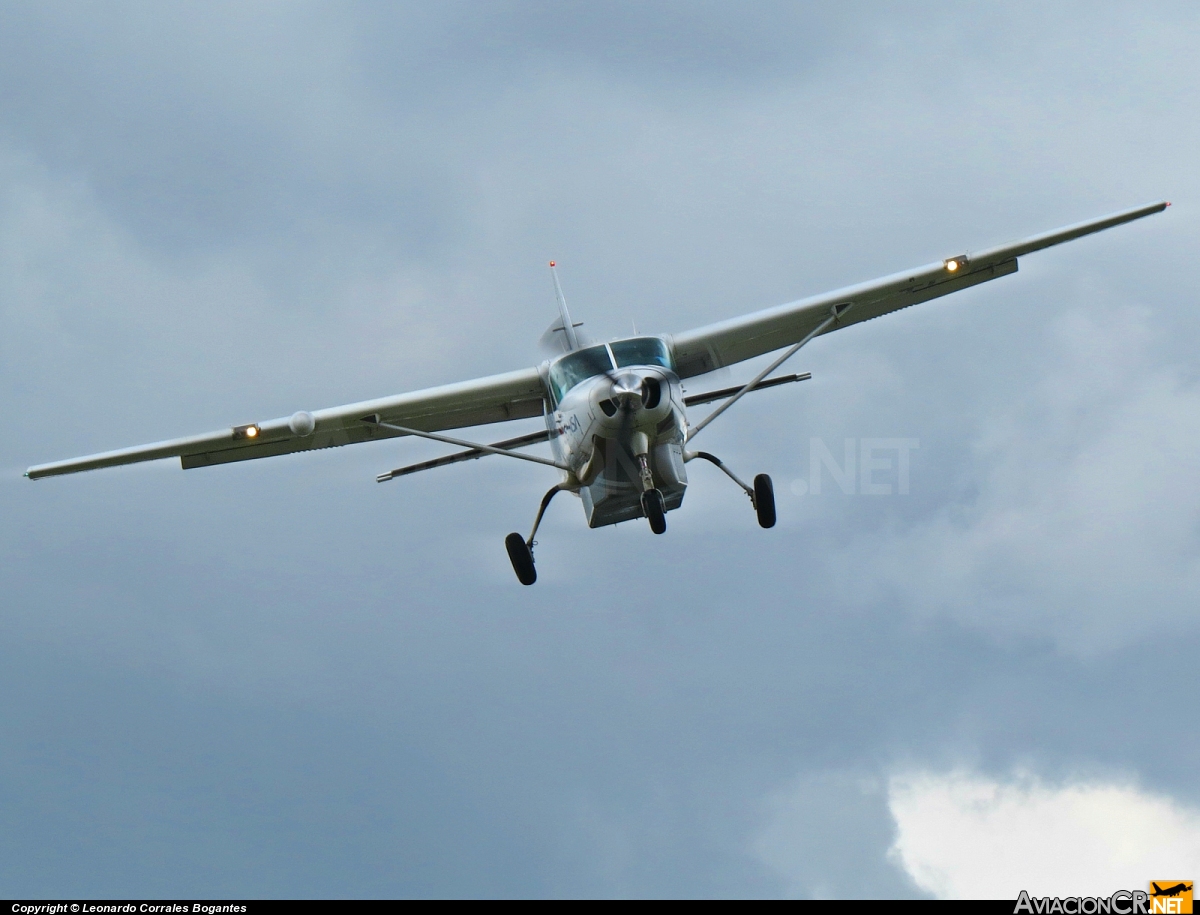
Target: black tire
pixel 656 514
pixel 764 500
pixel 522 558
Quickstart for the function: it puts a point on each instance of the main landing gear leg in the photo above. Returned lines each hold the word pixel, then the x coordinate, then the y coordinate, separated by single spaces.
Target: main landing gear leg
pixel 762 494
pixel 520 550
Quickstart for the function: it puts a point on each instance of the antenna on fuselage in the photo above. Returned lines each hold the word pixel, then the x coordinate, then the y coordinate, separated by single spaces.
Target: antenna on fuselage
pixel 567 326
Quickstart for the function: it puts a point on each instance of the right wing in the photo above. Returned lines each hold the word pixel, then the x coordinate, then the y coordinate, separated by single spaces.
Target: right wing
pixel 717 345
pixel 498 398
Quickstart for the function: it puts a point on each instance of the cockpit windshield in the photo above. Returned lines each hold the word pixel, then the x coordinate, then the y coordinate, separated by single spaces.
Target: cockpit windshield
pixel 595 360
pixel 641 351
pixel 578 366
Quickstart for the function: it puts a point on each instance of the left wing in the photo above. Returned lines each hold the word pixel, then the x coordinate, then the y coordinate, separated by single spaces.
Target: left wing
pixel 718 345
pixel 498 398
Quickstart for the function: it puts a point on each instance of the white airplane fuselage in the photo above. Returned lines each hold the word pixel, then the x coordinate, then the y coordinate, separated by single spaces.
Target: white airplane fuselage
pixel 621 431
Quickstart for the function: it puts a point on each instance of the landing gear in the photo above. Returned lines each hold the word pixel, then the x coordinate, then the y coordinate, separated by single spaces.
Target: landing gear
pixel 521 557
pixel 654 510
pixel 520 550
pixel 653 506
pixel 762 495
pixel 764 500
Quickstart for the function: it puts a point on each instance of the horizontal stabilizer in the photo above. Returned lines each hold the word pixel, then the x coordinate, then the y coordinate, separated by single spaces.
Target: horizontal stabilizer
pixel 697 399
pixel 555 341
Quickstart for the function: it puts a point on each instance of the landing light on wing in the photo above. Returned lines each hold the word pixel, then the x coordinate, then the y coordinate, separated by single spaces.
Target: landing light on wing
pixel 953 264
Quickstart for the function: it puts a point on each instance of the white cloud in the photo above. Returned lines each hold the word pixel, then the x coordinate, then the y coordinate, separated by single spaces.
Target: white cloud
pixel 964 836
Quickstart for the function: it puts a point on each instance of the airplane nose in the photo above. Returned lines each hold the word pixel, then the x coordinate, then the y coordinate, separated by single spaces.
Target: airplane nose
pixel 630 393
pixel 627 391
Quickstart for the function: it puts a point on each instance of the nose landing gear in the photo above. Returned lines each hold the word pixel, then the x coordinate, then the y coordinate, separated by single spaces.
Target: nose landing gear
pixel 654 510
pixel 653 506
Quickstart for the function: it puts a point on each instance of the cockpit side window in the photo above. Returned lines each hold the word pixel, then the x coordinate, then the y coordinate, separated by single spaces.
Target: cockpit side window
pixel 578 366
pixel 641 351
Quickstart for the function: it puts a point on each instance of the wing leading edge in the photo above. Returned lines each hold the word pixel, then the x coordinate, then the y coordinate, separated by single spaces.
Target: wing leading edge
pixel 717 345
pixel 498 398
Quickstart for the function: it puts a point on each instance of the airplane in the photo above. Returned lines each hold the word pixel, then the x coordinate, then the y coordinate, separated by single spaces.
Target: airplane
pixel 615 413
pixel 1171 890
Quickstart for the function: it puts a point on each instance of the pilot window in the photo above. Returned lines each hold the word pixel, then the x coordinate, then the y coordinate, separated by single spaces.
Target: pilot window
pixel 641 351
pixel 578 366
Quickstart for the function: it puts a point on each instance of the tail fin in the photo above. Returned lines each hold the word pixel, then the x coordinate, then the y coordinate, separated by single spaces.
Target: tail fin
pixel 567 327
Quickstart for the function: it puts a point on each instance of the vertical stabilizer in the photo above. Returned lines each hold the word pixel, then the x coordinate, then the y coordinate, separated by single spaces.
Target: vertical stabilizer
pixel 567 327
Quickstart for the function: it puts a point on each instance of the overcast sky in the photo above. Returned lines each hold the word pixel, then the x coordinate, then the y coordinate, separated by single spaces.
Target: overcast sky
pixel 279 678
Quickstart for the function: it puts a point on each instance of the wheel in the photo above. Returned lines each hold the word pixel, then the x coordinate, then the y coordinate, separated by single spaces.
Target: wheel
pixel 522 558
pixel 652 506
pixel 764 500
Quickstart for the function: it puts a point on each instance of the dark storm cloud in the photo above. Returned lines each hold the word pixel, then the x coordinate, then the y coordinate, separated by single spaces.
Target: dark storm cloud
pixel 280 678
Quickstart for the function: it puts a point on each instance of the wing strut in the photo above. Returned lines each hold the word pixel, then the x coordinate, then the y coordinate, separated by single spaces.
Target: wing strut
pixel 374 420
pixel 835 312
